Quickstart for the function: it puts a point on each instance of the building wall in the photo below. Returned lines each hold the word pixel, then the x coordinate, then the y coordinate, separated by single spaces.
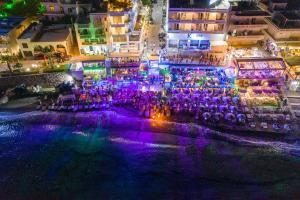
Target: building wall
pixel 68 44
pixel 283 34
pixel 86 46
pixel 189 26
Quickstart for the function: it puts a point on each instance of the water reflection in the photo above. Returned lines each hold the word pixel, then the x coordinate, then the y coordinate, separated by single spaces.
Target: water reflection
pixel 88 162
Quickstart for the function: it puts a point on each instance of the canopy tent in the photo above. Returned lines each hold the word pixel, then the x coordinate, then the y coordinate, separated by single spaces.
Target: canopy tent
pixel 293 60
pixel 262 68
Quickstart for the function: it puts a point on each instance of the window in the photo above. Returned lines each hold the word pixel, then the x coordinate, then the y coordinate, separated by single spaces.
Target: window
pixel 25 45
pixel 27 53
pixel 182 44
pixel 70 10
pixel 51 8
pixel 173 43
pixel 194 43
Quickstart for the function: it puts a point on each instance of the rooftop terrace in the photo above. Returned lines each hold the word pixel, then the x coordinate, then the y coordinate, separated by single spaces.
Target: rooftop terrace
pixel 37 33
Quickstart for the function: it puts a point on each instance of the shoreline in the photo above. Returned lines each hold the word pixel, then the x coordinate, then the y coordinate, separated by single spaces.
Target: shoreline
pixel 112 120
pixel 221 127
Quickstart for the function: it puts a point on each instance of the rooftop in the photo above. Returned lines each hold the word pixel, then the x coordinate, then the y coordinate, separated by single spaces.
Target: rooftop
pixel 286 20
pixel 38 33
pixel 199 4
pixel 53 34
pixel 244 8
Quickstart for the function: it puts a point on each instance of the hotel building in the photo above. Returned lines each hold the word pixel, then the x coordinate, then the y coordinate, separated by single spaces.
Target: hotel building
pixel 124 30
pixel 36 37
pixel 10 29
pixel 284 30
pixel 92 31
pixel 197 24
pixel 56 9
pixel 247 24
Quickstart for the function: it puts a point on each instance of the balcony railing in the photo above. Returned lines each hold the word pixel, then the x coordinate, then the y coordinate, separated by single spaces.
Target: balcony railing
pixel 197 18
pixel 247 35
pixel 249 26
pixel 196 30
pixel 216 21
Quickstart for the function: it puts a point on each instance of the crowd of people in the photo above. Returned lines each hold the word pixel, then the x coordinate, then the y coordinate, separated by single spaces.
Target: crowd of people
pixel 191 78
pixel 210 105
pixel 123 61
pixel 201 59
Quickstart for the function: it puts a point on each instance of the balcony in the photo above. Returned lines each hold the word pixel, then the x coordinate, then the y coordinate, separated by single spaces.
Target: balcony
pixel 94 41
pixel 216 29
pixel 117 25
pixel 134 38
pixel 197 21
pixel 85 36
pixel 247 35
pixel 119 38
pixel 245 26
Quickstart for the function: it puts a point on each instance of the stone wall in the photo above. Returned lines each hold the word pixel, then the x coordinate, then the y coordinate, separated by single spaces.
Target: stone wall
pixel 45 80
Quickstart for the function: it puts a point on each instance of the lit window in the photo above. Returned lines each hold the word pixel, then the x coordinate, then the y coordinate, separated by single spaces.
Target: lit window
pixel 51 8
pixel 25 45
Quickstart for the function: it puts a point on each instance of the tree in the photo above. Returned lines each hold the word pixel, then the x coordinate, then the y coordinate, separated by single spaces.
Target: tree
pixel 48 52
pixel 17 66
pixel 26 8
pixel 147 2
pixel 8 59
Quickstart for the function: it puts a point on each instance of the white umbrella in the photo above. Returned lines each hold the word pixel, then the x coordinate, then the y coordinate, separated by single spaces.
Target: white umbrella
pixel 206 115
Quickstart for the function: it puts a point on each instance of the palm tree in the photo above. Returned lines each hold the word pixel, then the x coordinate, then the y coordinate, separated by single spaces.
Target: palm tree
pixel 48 52
pixel 8 59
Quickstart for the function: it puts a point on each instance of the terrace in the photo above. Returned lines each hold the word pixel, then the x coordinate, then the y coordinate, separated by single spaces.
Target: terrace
pixel 285 20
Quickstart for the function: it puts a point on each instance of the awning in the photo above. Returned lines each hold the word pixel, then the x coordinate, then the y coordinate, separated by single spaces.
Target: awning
pixel 293 61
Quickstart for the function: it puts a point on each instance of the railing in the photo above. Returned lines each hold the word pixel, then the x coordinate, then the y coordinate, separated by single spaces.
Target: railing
pixel 250 26
pixel 197 18
pixel 196 31
pixel 196 21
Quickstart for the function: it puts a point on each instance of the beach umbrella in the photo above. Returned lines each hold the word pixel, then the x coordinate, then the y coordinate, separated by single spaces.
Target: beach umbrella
pixel 218 116
pixel 230 117
pixel 207 98
pixel 186 91
pixel 241 117
pixel 206 115
pixel 225 99
pixel 232 108
pixel 216 99
pixel 212 106
pixel 222 108
pixel 235 99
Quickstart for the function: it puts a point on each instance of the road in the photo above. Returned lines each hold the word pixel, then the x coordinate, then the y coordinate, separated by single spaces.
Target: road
pixel 151 31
